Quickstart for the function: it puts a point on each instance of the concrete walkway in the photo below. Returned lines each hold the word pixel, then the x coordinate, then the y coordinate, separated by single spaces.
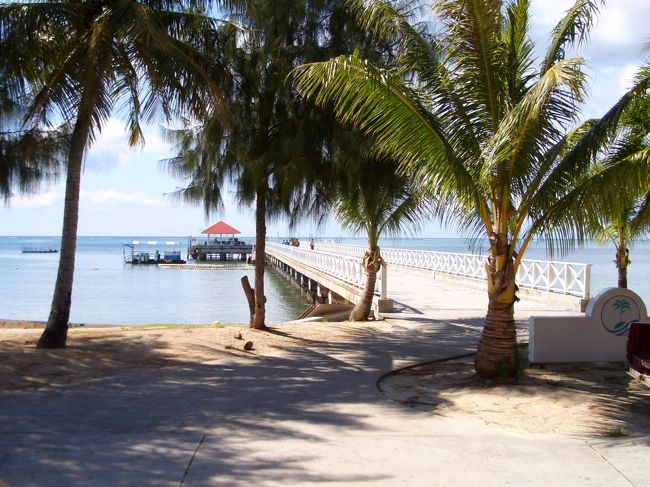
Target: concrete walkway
pixel 311 416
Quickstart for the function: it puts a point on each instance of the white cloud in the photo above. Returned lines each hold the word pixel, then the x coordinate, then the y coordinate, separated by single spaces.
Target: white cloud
pixel 545 15
pixel 626 76
pixel 46 199
pixel 621 29
pixel 111 149
pixel 112 198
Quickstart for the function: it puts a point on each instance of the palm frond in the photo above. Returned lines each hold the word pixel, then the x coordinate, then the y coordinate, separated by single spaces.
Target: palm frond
pixel 573 28
pixel 378 103
pixel 515 153
pixel 518 50
pixel 476 54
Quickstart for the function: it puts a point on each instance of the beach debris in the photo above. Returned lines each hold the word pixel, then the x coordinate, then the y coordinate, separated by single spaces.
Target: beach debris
pixel 229 347
pixel 238 336
pixel 248 345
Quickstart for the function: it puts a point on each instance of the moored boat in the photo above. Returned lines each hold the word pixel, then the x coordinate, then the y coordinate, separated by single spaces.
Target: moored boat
pixel 152 252
pixel 39 247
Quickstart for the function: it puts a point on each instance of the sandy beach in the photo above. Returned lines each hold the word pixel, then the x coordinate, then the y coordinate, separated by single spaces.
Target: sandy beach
pixel 570 400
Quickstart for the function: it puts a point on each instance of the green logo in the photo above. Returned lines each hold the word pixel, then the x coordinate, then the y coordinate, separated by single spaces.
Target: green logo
pixel 618 314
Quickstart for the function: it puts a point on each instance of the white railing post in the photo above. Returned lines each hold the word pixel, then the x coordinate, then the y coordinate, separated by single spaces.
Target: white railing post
pixel 384 282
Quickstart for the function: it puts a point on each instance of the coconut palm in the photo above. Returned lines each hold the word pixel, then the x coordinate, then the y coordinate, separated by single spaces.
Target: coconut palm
pixel 83 61
pixel 373 198
pixel 622 214
pixel 628 222
pixel 487 129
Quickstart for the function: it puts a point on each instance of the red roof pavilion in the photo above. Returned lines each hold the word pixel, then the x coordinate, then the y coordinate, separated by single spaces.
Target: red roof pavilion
pixel 221 228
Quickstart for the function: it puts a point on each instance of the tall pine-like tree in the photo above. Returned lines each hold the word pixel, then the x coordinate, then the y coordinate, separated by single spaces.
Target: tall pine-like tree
pixel 275 151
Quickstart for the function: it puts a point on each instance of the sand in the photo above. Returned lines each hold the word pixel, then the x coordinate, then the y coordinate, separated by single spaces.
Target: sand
pixel 100 351
pixel 593 399
pixel 565 399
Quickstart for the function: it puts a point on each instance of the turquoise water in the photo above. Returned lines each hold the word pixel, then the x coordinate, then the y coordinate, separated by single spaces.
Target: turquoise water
pixel 107 291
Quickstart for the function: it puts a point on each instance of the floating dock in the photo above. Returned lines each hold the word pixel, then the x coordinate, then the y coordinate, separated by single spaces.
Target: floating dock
pixel 152 252
pixel 39 247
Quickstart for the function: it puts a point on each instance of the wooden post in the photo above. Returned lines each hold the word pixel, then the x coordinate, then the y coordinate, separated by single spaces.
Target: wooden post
pixel 250 296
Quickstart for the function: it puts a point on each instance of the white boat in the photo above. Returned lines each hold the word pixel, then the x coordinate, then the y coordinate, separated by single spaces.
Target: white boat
pixel 152 252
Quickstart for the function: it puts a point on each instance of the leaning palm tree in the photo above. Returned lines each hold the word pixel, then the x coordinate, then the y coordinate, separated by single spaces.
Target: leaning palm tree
pixel 82 61
pixel 387 202
pixel 485 127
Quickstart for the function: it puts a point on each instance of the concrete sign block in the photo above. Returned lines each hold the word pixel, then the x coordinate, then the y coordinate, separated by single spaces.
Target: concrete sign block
pixel 599 336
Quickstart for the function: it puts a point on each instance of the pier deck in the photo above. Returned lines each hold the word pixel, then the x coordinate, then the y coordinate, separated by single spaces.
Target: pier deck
pixel 336 278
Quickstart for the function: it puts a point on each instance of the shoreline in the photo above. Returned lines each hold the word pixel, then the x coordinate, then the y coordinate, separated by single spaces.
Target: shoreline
pixel 29 324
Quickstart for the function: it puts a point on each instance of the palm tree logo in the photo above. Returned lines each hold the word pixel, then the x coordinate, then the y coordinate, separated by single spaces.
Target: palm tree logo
pixel 618 314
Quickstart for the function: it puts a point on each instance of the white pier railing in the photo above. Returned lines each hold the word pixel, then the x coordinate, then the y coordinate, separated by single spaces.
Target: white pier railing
pixel 568 278
pixel 345 268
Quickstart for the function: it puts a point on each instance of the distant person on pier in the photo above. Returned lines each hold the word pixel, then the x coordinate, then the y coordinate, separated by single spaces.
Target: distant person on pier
pixel 311 244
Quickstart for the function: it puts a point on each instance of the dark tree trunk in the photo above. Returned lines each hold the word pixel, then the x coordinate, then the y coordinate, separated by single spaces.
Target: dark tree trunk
pixel 372 263
pixel 622 261
pixel 250 297
pixel 496 356
pixel 260 243
pixel 56 331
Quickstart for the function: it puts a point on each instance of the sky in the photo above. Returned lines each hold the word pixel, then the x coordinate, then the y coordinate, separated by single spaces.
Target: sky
pixel 126 192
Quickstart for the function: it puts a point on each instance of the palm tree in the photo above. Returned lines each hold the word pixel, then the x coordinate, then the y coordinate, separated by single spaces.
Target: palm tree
pixel 469 113
pixel 622 214
pixel 83 61
pixel 386 202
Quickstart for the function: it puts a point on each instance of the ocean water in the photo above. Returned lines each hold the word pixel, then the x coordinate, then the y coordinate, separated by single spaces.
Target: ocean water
pixel 107 291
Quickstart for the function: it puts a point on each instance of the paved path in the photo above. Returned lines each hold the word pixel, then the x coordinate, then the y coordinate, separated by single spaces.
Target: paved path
pixel 311 416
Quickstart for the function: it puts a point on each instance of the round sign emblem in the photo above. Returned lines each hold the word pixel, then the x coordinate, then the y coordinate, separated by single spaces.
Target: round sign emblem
pixel 618 313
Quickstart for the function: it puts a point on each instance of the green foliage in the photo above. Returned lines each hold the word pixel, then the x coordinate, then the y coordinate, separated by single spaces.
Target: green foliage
pixel 618 432
pixel 77 63
pixel 374 198
pixel 485 129
pixel 621 212
pixel 470 115
pixel 273 139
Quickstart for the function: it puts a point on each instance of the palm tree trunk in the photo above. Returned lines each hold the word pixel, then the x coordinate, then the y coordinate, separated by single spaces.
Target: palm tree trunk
pixel 622 261
pixel 260 244
pixel 56 331
pixel 372 264
pixel 496 356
